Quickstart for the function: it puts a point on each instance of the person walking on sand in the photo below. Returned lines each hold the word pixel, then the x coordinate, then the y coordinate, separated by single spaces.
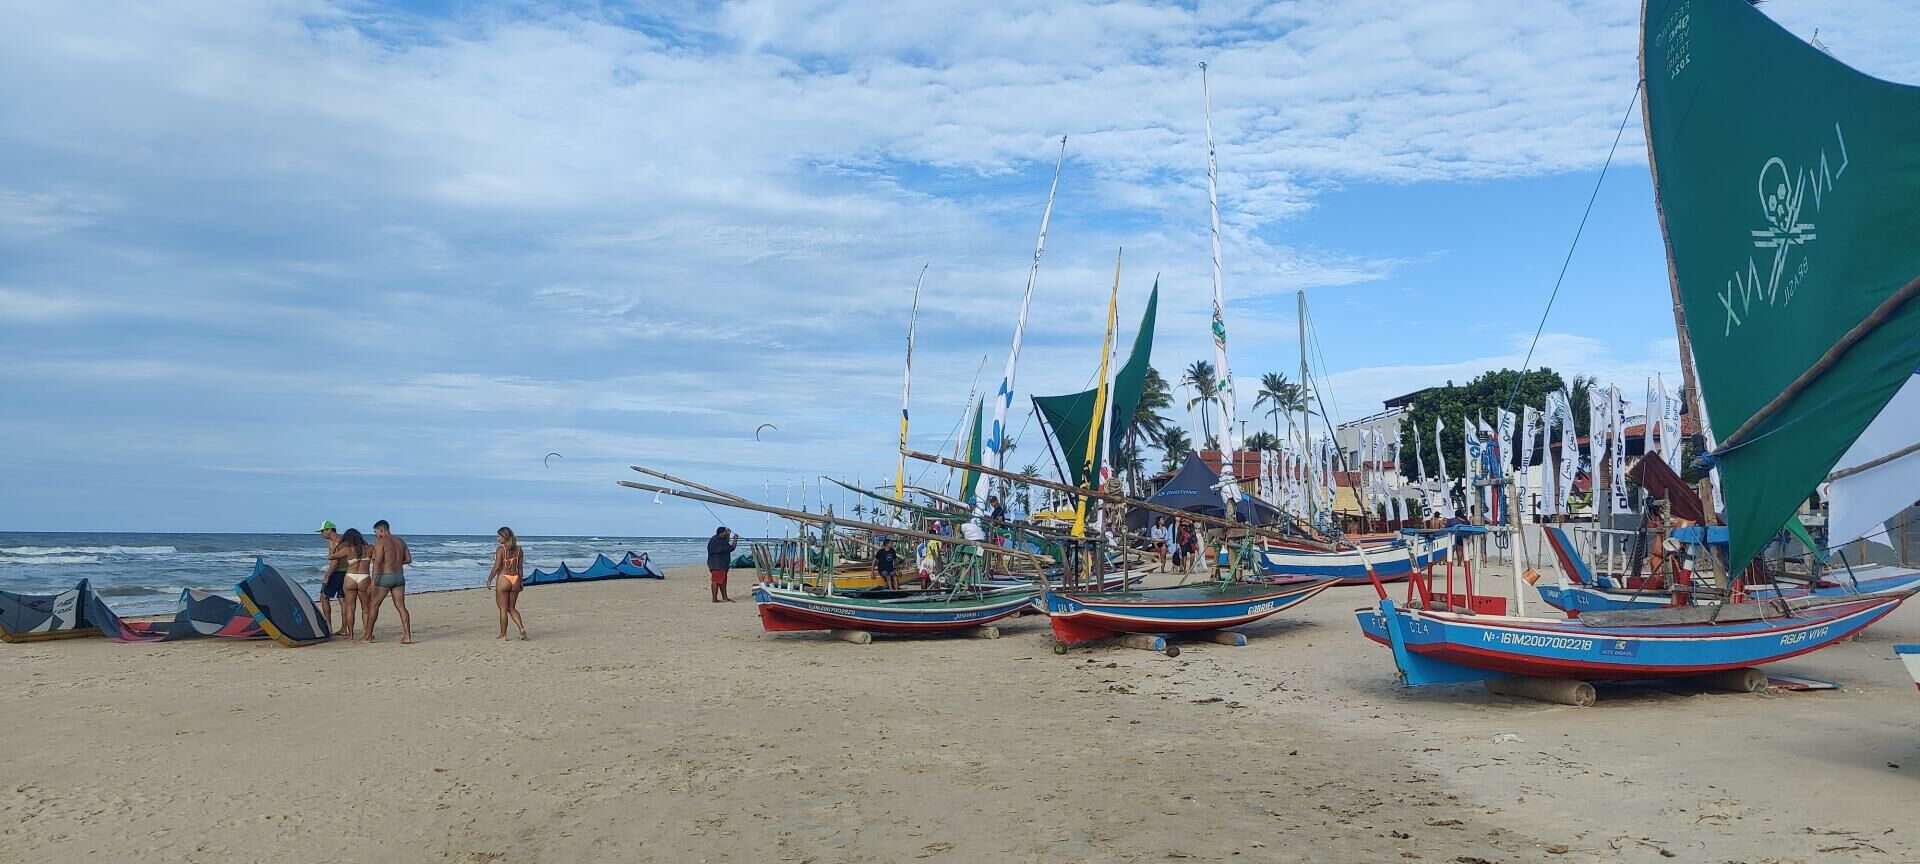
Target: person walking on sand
pixel 357 591
pixel 333 584
pixel 390 560
pixel 719 560
pixel 886 564
pixel 506 579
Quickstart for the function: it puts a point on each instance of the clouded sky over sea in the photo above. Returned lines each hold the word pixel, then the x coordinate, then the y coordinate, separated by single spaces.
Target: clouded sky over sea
pixel 267 263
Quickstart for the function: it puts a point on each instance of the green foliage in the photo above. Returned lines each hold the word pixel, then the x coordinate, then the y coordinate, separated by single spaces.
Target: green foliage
pixel 1174 447
pixel 1482 396
pixel 1262 440
pixel 1281 396
pixel 1200 376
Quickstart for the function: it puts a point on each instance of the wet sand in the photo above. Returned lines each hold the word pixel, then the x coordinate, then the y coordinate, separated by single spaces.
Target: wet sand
pixel 643 723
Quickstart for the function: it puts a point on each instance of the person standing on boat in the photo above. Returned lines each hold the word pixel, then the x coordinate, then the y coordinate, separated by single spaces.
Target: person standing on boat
pixel 333 586
pixel 886 564
pixel 390 560
pixel 719 559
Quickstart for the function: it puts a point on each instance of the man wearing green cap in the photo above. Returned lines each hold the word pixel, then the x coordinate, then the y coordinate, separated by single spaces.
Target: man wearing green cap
pixel 334 586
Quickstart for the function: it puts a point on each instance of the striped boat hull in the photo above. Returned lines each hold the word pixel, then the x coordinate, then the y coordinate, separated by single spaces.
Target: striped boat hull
pixel 1389 561
pixel 1449 647
pixel 787 609
pixel 1086 616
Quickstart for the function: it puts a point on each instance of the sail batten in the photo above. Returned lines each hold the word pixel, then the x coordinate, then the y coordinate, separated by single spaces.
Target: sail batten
pixel 1787 185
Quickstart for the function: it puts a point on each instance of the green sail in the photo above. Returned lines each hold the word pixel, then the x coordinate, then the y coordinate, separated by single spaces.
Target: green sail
pixel 1071 416
pixel 1789 188
pixel 970 479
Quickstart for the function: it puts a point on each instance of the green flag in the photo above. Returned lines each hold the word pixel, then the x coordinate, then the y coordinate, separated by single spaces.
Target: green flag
pixel 970 479
pixel 1789 186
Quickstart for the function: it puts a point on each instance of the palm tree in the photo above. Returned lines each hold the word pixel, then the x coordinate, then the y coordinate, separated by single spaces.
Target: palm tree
pixel 1021 487
pixel 1174 448
pixel 1276 391
pixel 1262 440
pixel 1201 378
pixel 1578 402
pixel 1147 422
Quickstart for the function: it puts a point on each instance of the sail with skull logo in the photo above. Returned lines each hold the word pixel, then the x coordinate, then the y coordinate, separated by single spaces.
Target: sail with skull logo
pixel 1787 181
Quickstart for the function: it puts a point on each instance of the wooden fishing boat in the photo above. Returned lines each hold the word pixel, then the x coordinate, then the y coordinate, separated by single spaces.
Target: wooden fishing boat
pixel 1445 646
pixel 1588 590
pixel 788 608
pixel 1084 616
pixel 1716 134
pixel 1392 562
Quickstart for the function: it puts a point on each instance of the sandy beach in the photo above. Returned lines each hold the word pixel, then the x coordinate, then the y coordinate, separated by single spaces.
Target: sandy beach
pixel 643 723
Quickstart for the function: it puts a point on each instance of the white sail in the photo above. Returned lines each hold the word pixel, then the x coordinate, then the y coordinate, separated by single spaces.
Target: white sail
pixel 906 391
pixel 1223 373
pixel 997 438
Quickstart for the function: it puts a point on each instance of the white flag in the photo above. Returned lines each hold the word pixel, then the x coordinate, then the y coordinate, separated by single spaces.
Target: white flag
pixel 1618 467
pixel 1529 429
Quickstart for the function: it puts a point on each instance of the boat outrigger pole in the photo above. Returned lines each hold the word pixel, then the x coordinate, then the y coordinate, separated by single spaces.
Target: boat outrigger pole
pixel 827 519
pixel 1113 497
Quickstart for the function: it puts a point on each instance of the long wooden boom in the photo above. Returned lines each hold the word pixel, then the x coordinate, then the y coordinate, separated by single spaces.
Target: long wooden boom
pixel 1198 518
pixel 836 522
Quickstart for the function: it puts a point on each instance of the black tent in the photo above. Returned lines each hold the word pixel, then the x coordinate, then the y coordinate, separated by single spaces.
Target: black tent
pixel 1192 489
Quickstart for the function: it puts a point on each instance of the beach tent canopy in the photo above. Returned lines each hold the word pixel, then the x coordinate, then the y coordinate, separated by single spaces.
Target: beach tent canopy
pixel 33 617
pixel 1192 489
pixel 281 607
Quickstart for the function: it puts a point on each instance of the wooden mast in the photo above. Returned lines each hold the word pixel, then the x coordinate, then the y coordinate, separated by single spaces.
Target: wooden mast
pixel 1688 379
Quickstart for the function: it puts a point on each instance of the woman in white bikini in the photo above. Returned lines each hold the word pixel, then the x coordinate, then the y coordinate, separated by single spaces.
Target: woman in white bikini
pixel 507 578
pixel 358 588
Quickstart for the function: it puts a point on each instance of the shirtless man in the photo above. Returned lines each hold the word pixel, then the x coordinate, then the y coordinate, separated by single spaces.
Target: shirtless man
pixel 333 586
pixel 390 560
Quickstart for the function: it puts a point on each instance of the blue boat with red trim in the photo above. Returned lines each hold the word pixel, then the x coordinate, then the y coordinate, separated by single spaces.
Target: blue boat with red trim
pixel 1084 616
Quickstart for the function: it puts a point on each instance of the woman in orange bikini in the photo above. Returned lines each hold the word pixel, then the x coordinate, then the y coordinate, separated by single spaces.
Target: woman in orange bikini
pixel 506 578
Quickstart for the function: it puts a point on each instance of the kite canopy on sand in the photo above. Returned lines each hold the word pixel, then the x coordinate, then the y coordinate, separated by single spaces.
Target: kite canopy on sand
pixel 631 565
pixel 199 614
pixel 281 607
pixel 36 617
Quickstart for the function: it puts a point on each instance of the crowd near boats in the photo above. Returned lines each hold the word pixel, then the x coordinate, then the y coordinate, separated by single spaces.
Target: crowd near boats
pixel 1788 212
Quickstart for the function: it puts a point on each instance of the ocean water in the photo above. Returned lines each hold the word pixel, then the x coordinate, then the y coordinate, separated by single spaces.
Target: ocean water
pixel 143 573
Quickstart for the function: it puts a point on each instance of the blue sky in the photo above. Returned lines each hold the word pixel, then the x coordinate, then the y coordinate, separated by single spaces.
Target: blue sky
pixel 287 261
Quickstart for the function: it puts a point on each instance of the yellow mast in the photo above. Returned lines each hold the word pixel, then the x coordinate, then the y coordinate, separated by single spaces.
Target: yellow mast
pixel 1099 404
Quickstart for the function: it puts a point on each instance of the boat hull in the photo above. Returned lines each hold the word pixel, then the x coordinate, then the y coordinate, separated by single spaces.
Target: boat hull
pixel 1086 616
pixel 1576 599
pixel 1390 562
pixel 786 609
pixel 1589 593
pixel 1448 647
pixel 1910 655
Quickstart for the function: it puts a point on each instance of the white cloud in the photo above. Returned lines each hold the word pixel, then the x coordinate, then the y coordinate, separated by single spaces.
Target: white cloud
pixel 472 234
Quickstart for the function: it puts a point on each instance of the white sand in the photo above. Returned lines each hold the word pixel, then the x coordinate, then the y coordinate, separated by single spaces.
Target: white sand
pixel 645 724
